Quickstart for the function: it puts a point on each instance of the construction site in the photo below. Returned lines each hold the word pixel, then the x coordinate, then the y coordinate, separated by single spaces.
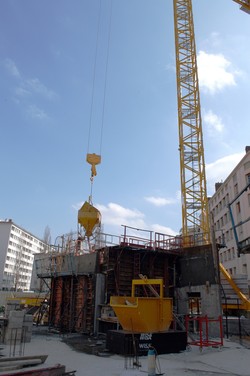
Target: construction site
pixel 147 292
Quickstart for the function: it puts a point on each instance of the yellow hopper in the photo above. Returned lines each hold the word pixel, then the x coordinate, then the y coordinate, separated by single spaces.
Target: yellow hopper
pixel 143 315
pixel 89 217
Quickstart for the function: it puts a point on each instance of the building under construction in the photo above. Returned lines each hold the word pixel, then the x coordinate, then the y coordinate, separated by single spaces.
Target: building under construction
pixel 83 283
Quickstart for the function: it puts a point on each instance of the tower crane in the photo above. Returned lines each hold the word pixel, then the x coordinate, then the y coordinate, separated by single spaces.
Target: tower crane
pixel 195 213
pixel 244 5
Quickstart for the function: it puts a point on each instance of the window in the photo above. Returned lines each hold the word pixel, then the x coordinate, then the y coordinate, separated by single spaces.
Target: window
pixel 231 234
pixel 194 303
pixel 236 190
pixel 248 178
pixel 244 268
pixel 247 165
pixel 224 202
pixel 225 218
pixel 238 207
pixel 218 225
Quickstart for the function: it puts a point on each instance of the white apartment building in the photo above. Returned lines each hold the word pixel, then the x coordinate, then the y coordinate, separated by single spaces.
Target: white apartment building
pixel 233 231
pixel 17 249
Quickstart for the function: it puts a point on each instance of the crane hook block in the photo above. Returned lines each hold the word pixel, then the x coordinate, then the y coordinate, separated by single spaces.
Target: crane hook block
pixel 94 160
pixel 89 217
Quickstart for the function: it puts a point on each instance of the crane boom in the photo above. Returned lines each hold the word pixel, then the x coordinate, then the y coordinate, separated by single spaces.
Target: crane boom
pixel 195 218
pixel 245 5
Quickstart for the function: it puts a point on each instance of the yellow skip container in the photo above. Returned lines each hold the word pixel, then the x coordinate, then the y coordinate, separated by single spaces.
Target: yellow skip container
pixel 89 217
pixel 143 314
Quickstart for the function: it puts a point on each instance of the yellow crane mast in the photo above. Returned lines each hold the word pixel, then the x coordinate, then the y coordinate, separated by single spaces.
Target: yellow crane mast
pixel 195 220
pixel 195 213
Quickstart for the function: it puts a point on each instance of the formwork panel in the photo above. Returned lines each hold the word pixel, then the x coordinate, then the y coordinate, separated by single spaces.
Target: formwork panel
pixel 69 311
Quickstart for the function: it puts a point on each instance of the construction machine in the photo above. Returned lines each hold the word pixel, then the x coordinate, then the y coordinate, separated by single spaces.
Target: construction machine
pixel 195 212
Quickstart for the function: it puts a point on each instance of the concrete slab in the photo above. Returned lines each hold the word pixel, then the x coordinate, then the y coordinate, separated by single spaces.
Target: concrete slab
pixel 232 359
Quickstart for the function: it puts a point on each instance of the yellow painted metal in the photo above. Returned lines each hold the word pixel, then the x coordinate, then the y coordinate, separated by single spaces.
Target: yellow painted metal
pixel 94 160
pixel 26 300
pixel 144 281
pixel 245 5
pixel 143 315
pixel 192 164
pixel 245 302
pixel 89 217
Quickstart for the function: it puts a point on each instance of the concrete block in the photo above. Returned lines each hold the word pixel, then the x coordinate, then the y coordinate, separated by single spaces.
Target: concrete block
pixel 28 318
pixel 15 324
pixel 11 342
pixel 16 314
pixel 13 332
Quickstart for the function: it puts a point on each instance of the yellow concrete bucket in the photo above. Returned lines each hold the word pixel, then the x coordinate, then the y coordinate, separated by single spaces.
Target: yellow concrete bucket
pixel 89 217
pixel 143 315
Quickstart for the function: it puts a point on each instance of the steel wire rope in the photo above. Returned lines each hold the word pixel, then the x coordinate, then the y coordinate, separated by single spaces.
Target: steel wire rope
pixel 106 75
pixel 105 85
pixel 94 75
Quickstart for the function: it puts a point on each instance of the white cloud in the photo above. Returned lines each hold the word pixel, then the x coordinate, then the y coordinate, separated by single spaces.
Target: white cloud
pixel 28 88
pixel 37 113
pixel 35 85
pixel 12 68
pixel 214 122
pixel 159 201
pixel 163 230
pixel 21 92
pixel 115 214
pixel 219 170
pixel 215 72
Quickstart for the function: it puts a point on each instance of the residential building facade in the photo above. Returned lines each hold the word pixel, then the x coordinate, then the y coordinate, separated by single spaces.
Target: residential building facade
pixel 230 215
pixel 17 249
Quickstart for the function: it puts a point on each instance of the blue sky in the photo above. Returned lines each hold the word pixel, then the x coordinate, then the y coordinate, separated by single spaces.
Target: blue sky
pixel 47 65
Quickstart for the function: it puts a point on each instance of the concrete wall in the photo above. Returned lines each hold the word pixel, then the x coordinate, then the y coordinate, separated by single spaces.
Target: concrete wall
pixel 209 296
pixel 197 277
pixel 210 304
pixel 196 267
pixel 58 264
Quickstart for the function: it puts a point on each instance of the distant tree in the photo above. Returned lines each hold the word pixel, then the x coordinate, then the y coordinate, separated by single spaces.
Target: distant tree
pixel 47 237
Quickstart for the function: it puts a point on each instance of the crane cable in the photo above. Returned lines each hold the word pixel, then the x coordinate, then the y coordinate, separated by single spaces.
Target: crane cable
pixel 94 159
pixel 94 75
